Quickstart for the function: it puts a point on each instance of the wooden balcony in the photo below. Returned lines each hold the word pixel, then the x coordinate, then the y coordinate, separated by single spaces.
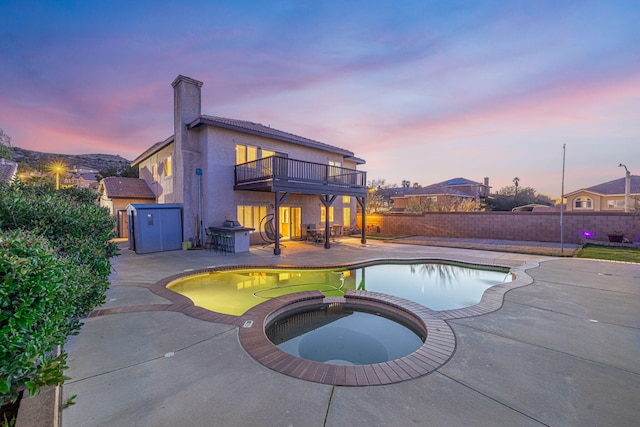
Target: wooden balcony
pixel 276 173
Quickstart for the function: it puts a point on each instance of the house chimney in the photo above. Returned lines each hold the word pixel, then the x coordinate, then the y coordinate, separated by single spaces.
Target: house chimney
pixel 486 186
pixel 186 103
pixel 187 157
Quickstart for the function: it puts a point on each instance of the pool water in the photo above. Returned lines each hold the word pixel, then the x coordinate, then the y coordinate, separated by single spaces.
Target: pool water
pixel 434 285
pixel 340 335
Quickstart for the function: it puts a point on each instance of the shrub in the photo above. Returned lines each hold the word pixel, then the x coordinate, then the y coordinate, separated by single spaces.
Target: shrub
pixel 77 230
pixel 54 268
pixel 37 311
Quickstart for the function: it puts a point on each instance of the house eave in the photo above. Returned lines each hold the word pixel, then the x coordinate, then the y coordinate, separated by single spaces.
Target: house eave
pixel 356 160
pixel 587 191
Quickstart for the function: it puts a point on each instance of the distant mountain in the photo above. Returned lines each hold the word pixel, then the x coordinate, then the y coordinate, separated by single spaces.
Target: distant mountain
pixel 42 161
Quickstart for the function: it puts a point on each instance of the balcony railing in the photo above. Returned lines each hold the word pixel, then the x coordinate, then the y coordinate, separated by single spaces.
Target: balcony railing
pixel 275 170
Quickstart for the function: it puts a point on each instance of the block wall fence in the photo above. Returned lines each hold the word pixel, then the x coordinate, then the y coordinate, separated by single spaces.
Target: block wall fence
pixel 524 226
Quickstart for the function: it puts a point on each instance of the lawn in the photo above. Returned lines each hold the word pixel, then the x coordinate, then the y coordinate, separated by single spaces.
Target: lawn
pixel 610 253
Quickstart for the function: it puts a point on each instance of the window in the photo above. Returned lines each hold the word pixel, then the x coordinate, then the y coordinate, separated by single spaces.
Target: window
pixel 323 214
pixel 583 203
pixel 154 172
pixel 346 199
pixel 334 170
pixel 168 168
pixel 245 153
pixel 615 204
pixel 346 217
pixel 267 153
pixel 250 216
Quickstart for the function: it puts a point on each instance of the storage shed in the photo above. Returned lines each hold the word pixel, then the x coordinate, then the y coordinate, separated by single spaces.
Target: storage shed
pixel 154 227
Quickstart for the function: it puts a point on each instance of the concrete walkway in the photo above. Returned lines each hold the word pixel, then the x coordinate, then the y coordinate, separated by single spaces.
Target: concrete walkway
pixel 563 351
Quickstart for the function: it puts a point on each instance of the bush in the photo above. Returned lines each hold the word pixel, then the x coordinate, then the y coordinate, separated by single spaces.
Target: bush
pixel 37 311
pixel 54 268
pixel 77 230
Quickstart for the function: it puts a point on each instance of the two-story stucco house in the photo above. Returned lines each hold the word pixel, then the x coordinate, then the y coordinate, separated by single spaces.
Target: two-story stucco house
pixel 222 169
pixel 619 195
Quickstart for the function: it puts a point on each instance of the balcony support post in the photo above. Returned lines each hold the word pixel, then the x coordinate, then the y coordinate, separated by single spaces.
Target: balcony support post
pixel 278 201
pixel 362 201
pixel 327 200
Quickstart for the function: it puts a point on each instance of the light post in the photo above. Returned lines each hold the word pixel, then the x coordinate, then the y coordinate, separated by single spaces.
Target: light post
pixel 564 154
pixel 57 168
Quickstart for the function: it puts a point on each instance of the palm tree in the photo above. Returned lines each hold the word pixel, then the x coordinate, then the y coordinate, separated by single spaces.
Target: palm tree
pixel 516 180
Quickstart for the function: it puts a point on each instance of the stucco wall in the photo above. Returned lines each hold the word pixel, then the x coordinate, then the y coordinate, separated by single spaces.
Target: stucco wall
pixel 221 200
pixel 162 187
pixel 526 226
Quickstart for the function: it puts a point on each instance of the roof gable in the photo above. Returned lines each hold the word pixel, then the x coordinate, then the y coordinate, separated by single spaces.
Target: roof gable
pixel 129 188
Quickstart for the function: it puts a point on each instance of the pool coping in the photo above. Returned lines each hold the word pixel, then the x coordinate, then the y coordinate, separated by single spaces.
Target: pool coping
pixel 435 352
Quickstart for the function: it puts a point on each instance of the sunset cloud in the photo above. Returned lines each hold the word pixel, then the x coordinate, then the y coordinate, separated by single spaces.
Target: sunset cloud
pixel 423 90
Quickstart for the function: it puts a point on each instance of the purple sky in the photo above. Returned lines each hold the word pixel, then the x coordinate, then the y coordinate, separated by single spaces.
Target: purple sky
pixel 422 90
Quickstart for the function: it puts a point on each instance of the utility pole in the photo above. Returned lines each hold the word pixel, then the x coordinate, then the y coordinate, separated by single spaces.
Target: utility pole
pixel 564 151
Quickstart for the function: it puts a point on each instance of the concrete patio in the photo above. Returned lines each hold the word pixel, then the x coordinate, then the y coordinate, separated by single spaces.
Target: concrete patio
pixel 562 351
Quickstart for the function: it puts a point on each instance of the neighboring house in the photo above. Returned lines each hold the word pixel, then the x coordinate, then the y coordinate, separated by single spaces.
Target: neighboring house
pixel 7 170
pixel 116 193
pixel 379 199
pixel 225 169
pixel 82 180
pixel 445 193
pixel 605 197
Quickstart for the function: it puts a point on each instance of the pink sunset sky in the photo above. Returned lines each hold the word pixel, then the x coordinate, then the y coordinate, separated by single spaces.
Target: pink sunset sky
pixel 422 90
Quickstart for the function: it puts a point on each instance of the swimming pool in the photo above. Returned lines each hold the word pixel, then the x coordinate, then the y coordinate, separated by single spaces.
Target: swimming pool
pixel 345 334
pixel 438 286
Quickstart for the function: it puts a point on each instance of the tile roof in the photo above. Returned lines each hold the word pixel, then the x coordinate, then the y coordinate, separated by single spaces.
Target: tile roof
pixel 131 188
pixel 266 131
pixel 615 187
pixel 7 170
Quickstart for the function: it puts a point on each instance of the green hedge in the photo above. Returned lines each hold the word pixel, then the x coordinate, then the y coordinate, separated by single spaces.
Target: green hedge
pixel 54 268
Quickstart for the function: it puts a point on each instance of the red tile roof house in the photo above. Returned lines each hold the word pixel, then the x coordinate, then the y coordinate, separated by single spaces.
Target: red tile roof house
pixel 607 197
pixel 222 169
pixel 7 170
pixel 445 193
pixel 116 193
